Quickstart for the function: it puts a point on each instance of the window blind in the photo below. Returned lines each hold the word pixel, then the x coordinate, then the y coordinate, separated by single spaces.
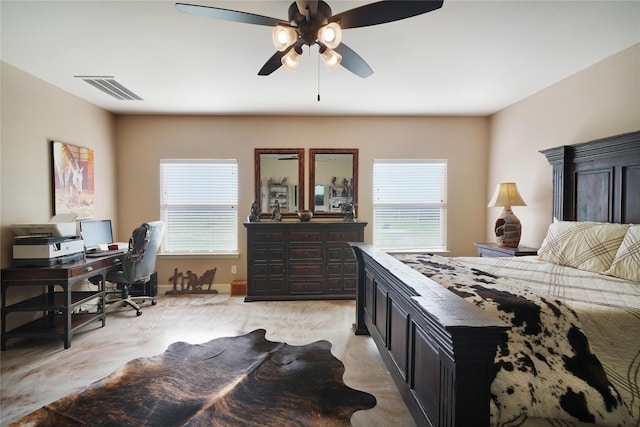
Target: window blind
pixel 409 205
pixel 199 206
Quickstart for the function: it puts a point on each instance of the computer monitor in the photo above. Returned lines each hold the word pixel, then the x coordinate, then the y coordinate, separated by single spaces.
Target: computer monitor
pixel 96 233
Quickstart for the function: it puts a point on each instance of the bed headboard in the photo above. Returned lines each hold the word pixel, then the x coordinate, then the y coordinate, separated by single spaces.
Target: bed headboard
pixel 597 180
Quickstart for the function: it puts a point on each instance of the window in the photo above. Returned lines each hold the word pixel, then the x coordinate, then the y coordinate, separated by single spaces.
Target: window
pixel 409 205
pixel 199 206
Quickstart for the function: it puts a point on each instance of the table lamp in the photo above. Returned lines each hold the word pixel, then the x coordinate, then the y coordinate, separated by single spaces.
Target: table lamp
pixel 508 226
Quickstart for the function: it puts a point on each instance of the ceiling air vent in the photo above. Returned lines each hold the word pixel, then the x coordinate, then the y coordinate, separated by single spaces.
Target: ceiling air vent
pixel 110 86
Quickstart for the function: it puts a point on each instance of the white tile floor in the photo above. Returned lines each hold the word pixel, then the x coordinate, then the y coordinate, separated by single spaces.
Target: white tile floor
pixel 36 372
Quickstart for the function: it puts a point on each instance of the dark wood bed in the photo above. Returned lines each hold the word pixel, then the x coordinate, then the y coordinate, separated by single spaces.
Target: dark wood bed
pixel 438 347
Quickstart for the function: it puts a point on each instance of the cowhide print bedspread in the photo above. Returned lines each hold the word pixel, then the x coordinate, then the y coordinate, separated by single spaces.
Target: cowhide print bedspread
pixel 608 309
pixel 232 381
pixel 546 371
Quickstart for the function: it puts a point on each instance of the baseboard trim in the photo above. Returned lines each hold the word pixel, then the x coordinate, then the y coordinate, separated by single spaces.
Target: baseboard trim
pixel 222 288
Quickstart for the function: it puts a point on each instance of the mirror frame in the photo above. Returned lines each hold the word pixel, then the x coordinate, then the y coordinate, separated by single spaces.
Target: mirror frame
pixel 312 178
pixel 257 163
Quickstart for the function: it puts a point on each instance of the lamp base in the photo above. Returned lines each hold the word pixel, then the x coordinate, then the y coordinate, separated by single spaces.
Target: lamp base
pixel 508 229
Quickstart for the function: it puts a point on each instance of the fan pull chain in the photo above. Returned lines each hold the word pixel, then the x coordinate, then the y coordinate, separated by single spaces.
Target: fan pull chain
pixel 318 77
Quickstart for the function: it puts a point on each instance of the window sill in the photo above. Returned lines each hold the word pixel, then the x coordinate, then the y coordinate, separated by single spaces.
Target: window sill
pixel 442 252
pixel 200 255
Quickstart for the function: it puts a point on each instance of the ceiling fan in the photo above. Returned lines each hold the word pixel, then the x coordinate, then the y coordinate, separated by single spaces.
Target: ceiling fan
pixel 311 22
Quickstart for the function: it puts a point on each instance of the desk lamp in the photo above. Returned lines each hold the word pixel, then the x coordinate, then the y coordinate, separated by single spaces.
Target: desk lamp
pixel 507 226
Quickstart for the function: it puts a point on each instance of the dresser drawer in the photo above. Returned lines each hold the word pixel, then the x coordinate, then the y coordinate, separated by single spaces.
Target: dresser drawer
pixel 305 236
pixel 305 287
pixel 311 253
pixel 343 236
pixel 305 270
pixel 267 253
pixel 268 270
pixel 265 236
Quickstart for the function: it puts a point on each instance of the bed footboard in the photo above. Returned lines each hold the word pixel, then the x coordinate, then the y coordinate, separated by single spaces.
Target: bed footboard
pixel 438 347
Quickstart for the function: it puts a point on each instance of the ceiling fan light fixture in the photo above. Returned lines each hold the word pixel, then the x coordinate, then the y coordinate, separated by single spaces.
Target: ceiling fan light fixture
pixel 331 58
pixel 291 60
pixel 283 37
pixel 330 35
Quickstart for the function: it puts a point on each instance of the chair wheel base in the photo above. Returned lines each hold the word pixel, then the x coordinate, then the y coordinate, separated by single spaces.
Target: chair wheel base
pixel 138 313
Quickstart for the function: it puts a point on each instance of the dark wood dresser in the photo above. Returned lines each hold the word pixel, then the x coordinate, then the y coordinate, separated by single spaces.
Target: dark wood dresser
pixel 302 260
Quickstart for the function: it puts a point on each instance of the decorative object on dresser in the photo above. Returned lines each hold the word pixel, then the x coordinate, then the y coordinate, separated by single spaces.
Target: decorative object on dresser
pixel 348 208
pixel 305 216
pixel 254 213
pixel 508 227
pixel 302 260
pixel 495 250
pixel 276 214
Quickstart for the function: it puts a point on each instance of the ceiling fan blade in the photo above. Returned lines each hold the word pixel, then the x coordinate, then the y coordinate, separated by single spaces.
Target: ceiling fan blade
pixel 230 15
pixel 353 62
pixel 272 64
pixel 383 11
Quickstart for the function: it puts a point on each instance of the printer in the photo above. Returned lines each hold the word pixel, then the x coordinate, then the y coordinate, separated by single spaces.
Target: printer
pixel 46 244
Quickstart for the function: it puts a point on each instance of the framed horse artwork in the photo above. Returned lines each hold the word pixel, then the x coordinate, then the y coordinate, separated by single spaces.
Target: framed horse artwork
pixel 72 178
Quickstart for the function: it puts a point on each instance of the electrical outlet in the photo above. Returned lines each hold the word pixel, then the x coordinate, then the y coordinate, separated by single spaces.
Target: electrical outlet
pixel 234 269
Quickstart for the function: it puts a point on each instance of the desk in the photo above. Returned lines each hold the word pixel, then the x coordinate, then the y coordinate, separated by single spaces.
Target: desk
pixel 59 315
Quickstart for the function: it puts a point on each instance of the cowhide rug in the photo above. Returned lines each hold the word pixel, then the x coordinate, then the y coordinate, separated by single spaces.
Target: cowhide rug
pixel 235 381
pixel 546 369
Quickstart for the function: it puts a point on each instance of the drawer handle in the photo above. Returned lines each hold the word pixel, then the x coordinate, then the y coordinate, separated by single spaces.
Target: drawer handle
pixel 89 268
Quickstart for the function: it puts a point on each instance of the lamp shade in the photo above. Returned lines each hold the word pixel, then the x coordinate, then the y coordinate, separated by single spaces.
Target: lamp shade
pixel 291 60
pixel 330 35
pixel 331 58
pixel 506 195
pixel 283 37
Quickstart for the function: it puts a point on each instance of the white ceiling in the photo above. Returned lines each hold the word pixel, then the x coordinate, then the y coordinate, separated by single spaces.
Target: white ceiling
pixel 467 58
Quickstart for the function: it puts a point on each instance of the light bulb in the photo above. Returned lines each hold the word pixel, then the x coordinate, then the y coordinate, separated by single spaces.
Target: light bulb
pixel 291 60
pixel 283 37
pixel 330 35
pixel 331 58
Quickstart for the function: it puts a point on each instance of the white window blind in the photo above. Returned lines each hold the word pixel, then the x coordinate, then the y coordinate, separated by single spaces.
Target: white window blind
pixel 410 205
pixel 199 206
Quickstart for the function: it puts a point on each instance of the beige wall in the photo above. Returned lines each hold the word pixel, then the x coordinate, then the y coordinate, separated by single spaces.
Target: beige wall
pixel 600 101
pixel 144 140
pixel 34 113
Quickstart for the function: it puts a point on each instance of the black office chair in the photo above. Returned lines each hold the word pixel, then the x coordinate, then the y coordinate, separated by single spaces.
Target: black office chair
pixel 137 266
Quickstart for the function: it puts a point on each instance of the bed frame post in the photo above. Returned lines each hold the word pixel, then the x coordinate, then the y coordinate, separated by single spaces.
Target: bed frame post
pixel 439 348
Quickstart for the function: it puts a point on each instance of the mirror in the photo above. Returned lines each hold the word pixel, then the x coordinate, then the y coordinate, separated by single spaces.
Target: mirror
pixel 279 177
pixel 333 176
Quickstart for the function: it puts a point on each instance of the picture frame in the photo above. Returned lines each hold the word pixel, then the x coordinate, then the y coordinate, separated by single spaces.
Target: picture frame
pixel 72 177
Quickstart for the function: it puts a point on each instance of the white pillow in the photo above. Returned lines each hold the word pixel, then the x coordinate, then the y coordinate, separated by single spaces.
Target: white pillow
pixel 626 264
pixel 589 246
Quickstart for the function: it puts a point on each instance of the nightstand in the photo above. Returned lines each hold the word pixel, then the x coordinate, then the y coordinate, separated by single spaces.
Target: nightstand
pixel 493 250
